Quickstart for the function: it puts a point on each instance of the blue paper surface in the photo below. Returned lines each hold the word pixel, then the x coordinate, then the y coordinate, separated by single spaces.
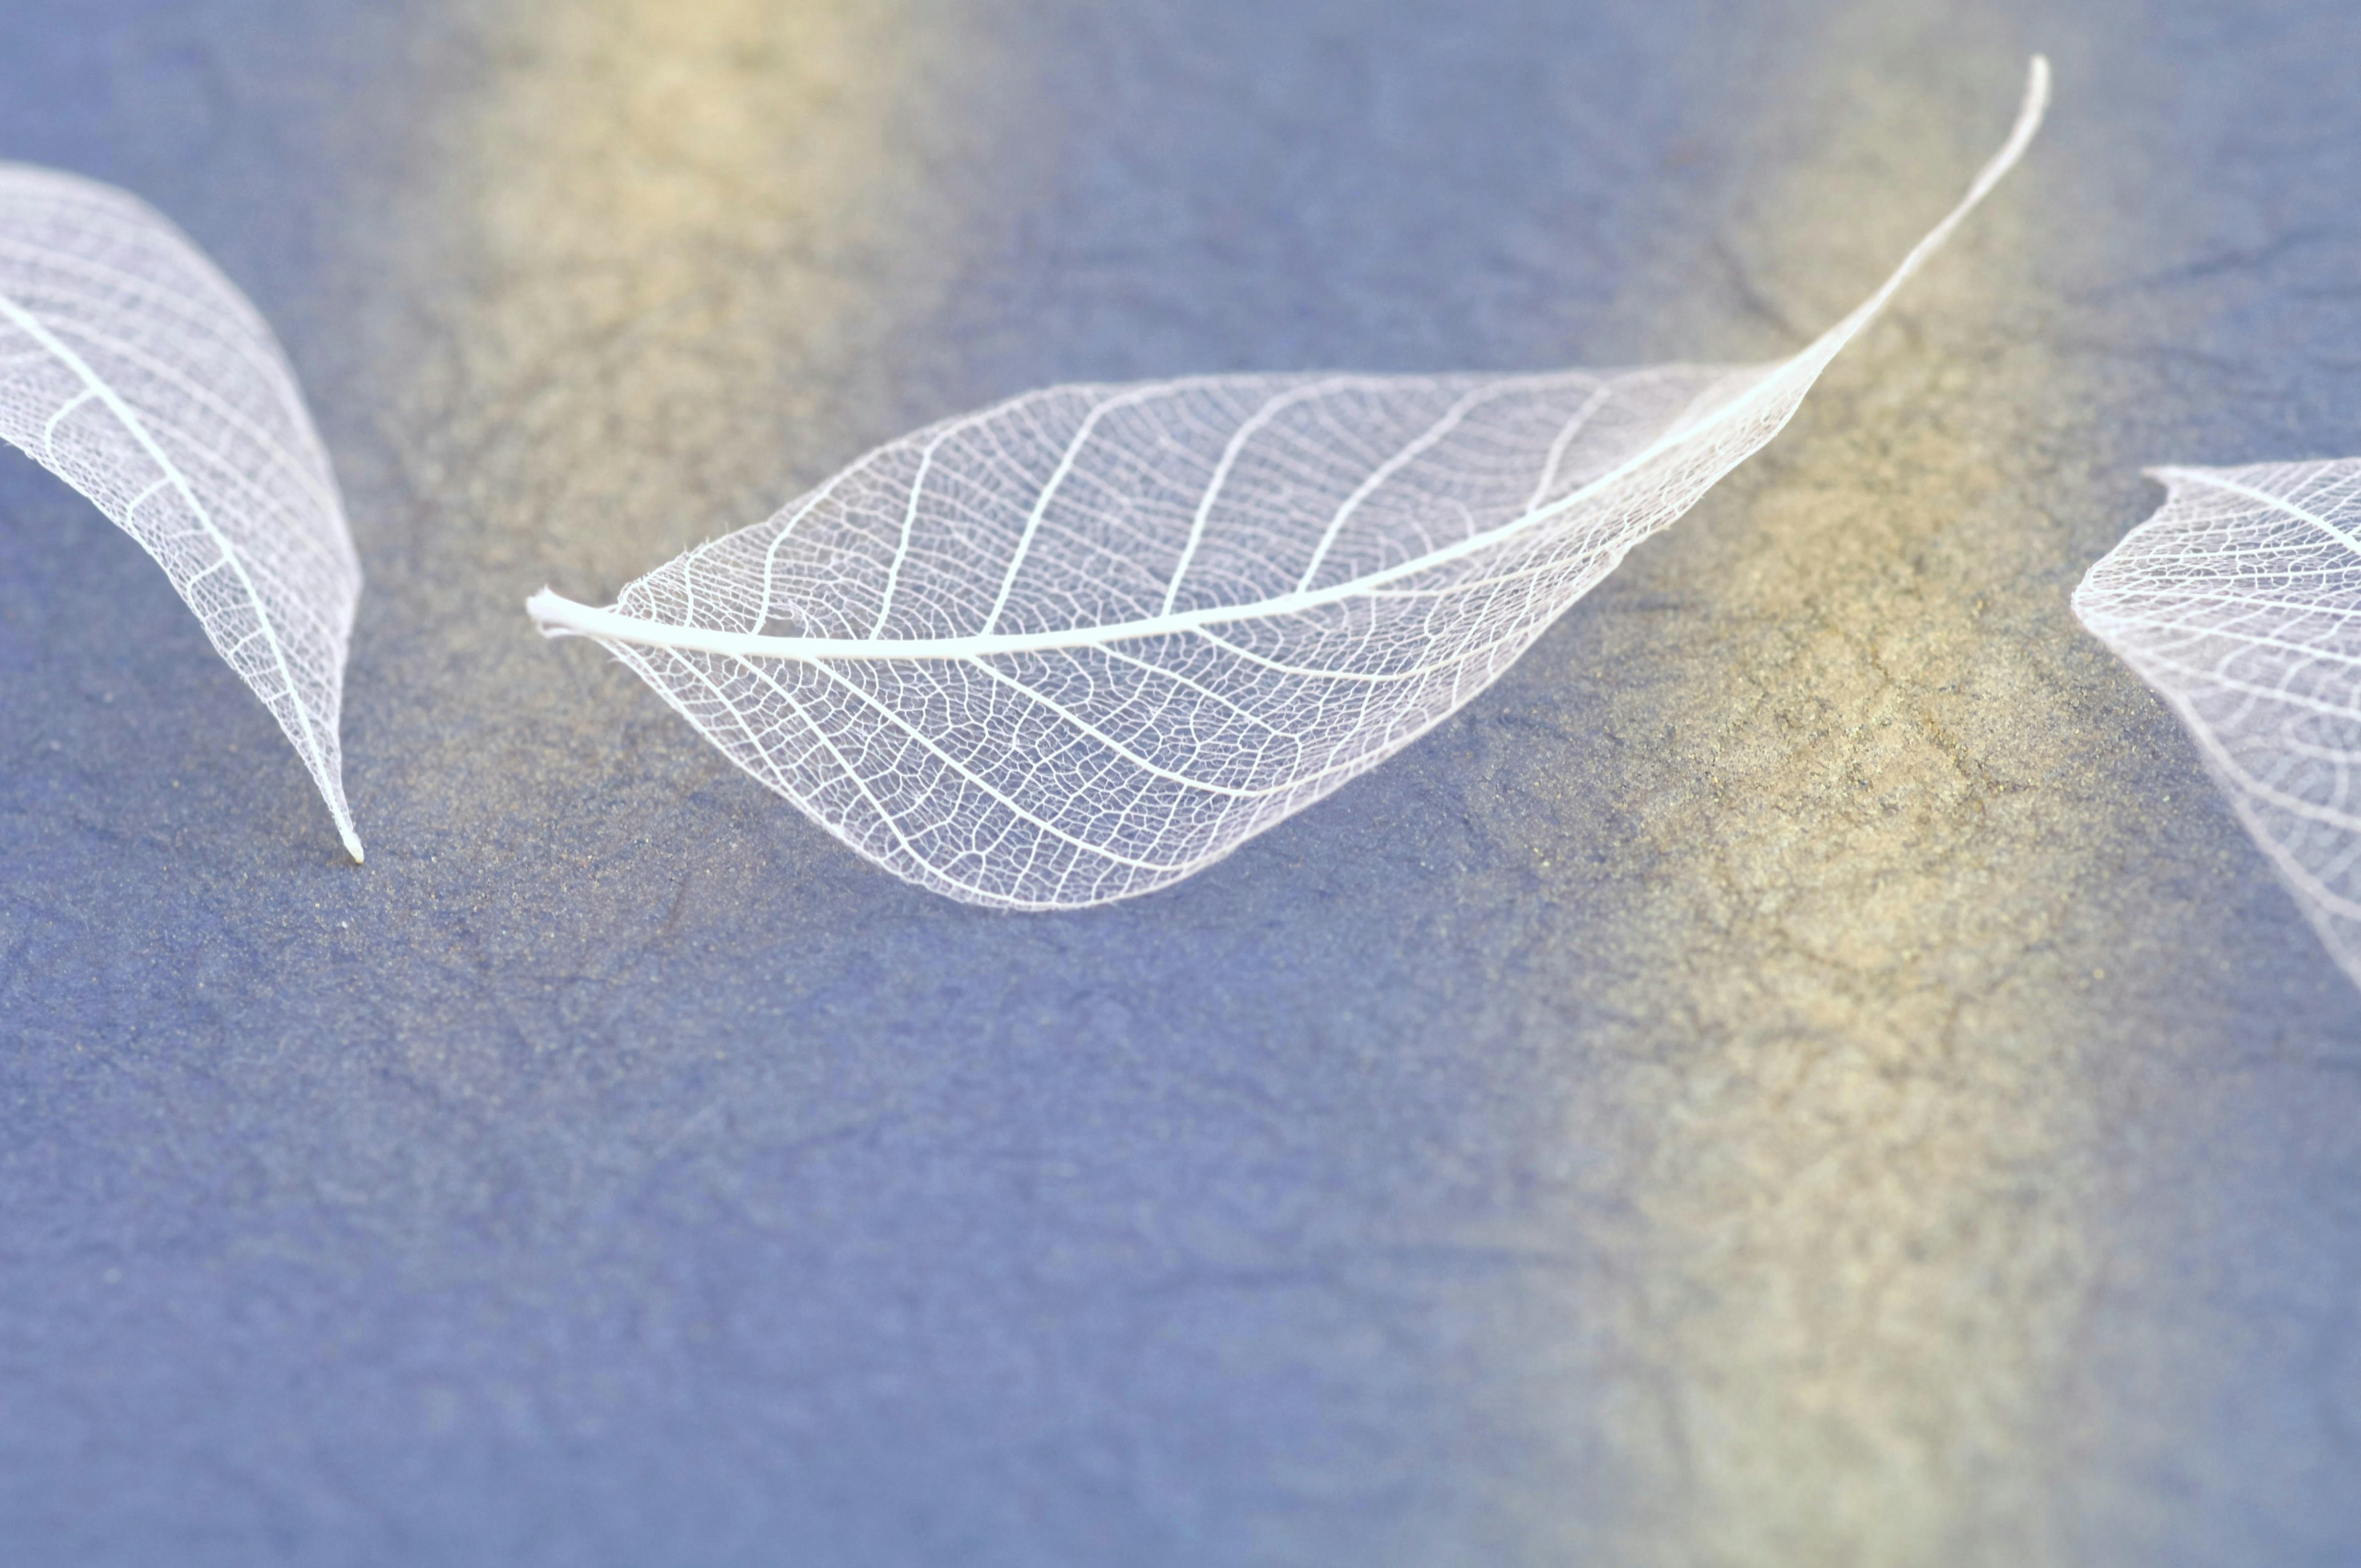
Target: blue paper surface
pixel 1805 1070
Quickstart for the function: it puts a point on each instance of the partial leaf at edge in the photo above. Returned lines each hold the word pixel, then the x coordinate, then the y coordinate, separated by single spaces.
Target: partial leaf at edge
pixel 1078 645
pixel 2239 601
pixel 132 369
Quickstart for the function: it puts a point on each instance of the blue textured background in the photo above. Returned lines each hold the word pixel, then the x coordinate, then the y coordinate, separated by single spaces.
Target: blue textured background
pixel 1804 1070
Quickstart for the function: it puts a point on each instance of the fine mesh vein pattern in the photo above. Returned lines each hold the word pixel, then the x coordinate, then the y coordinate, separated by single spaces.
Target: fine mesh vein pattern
pixel 1076 646
pixel 2240 602
pixel 135 372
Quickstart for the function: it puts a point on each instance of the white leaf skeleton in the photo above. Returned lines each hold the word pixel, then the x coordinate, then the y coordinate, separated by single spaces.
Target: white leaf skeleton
pixel 135 372
pixel 1081 645
pixel 2240 602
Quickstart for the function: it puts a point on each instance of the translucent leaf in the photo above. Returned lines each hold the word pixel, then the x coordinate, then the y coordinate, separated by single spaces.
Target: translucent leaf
pixel 2240 602
pixel 1079 645
pixel 135 372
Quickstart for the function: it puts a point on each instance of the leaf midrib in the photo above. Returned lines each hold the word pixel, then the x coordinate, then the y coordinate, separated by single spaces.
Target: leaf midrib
pixel 553 608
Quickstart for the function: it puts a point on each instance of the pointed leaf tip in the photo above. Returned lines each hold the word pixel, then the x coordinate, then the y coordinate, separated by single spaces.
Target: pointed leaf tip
pixel 124 355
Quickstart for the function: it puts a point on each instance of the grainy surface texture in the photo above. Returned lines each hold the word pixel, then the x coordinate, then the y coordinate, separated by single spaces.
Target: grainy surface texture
pixel 1805 1071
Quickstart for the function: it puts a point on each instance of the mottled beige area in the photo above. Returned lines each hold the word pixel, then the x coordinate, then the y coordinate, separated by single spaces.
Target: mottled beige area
pixel 635 282
pixel 1860 788
pixel 683 230
pixel 666 261
pixel 1864 1174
